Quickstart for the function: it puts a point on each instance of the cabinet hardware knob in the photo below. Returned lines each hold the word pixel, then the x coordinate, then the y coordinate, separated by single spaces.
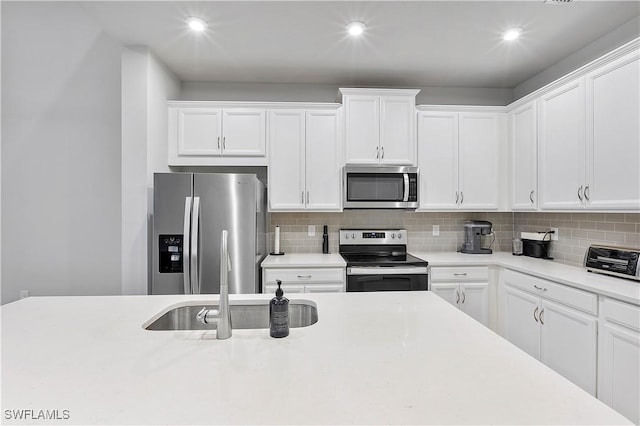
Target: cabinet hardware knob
pixel 382 152
pixel 307 197
pixel 531 197
pixel 463 297
pixel 377 152
pixel 461 197
pixel 302 197
pixel 304 277
pixel 459 274
pixel 539 288
pixel 457 297
pixel 457 197
pixel 224 142
pixel 218 142
pixel 534 314
pixel 541 318
pixel 580 193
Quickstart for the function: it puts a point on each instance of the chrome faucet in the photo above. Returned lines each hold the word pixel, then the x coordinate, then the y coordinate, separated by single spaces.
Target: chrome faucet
pixel 221 316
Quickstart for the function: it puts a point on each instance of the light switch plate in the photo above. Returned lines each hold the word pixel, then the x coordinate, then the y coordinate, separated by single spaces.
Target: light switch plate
pixel 555 235
pixel 312 231
pixel 436 230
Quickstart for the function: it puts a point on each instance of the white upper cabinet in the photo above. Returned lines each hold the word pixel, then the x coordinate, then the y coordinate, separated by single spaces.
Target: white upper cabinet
pixel 613 135
pixel 524 151
pixel 304 160
pixel 561 135
pixel 438 160
pixel 203 134
pixel 589 136
pixel 459 156
pixel 379 126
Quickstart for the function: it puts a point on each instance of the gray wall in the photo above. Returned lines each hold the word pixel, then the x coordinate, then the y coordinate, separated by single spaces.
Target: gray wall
pixel 605 44
pixel 60 153
pixel 212 91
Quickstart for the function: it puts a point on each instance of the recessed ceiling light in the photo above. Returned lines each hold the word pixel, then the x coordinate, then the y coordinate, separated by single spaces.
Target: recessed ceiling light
pixel 196 24
pixel 356 28
pixel 512 34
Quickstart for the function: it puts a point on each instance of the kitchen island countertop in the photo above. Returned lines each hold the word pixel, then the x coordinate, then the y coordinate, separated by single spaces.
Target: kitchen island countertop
pixel 372 358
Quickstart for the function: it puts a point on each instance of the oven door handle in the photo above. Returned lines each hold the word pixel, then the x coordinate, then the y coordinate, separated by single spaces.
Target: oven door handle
pixel 398 270
pixel 405 197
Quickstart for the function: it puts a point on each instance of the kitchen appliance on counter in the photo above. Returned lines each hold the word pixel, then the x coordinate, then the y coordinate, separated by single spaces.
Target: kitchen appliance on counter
pixel 474 230
pixel 536 244
pixel 190 210
pixel 380 187
pixel 617 261
pixel 377 260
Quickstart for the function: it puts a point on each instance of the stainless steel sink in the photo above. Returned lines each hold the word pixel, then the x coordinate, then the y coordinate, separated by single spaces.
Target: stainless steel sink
pixel 244 315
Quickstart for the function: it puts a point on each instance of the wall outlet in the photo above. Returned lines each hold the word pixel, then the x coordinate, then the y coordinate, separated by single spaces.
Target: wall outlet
pixel 312 231
pixel 555 235
pixel 24 293
pixel 436 230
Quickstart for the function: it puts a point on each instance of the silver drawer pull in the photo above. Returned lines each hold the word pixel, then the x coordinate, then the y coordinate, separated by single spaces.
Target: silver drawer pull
pixel 304 277
pixel 539 288
pixel 460 274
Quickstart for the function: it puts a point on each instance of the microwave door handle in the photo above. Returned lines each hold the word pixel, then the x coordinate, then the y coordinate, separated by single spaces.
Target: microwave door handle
pixel 405 198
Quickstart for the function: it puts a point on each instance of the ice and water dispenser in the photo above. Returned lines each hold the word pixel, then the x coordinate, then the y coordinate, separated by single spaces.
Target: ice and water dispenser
pixel 170 247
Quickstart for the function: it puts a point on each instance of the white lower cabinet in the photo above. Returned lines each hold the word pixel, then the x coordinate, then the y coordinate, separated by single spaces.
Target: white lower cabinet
pixel 553 323
pixel 466 288
pixel 304 280
pixel 619 357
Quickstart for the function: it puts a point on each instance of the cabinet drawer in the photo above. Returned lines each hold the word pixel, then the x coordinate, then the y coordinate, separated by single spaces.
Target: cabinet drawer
pixel 622 313
pixel 287 288
pixel 579 299
pixel 304 275
pixel 468 273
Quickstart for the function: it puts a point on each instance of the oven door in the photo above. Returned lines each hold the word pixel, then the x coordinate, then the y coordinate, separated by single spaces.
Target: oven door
pixel 387 278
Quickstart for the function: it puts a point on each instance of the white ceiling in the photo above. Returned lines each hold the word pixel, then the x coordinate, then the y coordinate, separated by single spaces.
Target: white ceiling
pixel 416 43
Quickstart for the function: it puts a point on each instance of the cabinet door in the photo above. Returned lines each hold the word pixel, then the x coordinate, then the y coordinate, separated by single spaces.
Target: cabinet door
pixel 199 131
pixel 474 301
pixel 244 132
pixel 569 343
pixel 448 291
pixel 438 160
pixel 287 288
pixel 286 159
pixel 324 288
pixel 613 135
pixel 619 369
pixel 397 130
pixel 362 129
pixel 521 326
pixel 561 147
pixel 478 161
pixel 524 149
pixel 323 160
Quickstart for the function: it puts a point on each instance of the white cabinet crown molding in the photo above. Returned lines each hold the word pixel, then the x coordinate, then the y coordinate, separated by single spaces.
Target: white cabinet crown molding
pixel 461 108
pixel 375 92
pixel 252 104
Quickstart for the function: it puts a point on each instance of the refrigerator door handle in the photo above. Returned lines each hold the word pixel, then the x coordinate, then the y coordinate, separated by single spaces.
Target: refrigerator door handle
pixel 195 246
pixel 186 242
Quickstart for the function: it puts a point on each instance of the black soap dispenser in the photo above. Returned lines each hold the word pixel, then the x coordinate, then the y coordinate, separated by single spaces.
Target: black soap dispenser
pixel 279 314
pixel 325 240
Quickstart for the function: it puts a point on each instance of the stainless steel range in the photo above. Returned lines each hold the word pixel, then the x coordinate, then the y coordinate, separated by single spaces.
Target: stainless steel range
pixel 377 260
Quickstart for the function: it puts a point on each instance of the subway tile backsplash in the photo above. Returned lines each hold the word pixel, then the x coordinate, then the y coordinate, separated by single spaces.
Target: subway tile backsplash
pixel 576 230
pixel 294 226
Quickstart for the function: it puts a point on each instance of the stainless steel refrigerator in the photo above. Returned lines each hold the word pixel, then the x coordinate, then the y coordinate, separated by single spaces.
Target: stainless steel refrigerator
pixel 190 211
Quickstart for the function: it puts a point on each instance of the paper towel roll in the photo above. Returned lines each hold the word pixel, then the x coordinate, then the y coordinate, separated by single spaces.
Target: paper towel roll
pixel 276 241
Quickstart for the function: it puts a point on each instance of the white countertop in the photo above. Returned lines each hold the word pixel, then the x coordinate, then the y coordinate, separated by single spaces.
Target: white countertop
pixel 304 260
pixel 372 358
pixel 619 288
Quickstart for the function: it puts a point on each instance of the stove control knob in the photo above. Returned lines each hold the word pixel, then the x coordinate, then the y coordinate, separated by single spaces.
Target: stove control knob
pixel 393 236
pixel 346 236
pixel 353 235
pixel 399 236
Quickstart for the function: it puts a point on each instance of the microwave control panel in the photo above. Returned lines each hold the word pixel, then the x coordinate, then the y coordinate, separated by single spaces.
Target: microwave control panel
pixel 170 247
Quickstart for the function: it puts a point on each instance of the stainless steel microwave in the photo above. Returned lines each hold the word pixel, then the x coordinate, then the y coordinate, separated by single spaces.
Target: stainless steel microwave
pixel 380 187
